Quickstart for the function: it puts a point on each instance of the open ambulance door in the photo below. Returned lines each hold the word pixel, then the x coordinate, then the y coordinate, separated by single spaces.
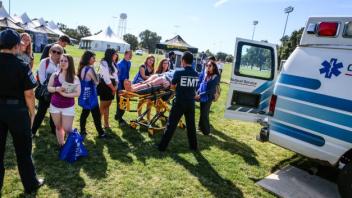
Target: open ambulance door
pixel 252 80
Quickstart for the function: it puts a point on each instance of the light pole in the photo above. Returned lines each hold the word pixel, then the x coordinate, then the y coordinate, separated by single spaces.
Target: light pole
pixel 10 7
pixel 254 24
pixel 287 10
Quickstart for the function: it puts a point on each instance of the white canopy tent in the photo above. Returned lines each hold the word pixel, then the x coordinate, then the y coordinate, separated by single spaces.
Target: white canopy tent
pixel 55 28
pixel 103 40
pixel 6 21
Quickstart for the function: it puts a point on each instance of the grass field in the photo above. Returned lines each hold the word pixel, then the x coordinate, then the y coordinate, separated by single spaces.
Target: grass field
pixel 228 163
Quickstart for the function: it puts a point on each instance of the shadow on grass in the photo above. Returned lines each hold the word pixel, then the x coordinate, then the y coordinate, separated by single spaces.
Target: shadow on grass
pixel 59 175
pixel 65 177
pixel 208 176
pixel 311 166
pixel 205 173
pixel 233 146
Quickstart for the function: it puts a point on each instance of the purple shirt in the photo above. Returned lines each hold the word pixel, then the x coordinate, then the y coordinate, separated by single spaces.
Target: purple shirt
pixel 58 100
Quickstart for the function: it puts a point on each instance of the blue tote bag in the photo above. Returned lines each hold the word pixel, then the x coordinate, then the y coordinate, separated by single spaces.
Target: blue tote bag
pixel 88 98
pixel 73 148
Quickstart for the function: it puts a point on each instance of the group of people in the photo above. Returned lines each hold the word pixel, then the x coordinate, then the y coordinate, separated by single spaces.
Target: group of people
pixel 57 73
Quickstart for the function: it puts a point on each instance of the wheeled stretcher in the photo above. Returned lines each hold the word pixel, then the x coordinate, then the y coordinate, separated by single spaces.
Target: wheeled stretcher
pixel 157 98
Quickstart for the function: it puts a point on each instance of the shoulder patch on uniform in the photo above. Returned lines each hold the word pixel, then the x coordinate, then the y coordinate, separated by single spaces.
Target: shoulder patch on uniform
pixel 31 77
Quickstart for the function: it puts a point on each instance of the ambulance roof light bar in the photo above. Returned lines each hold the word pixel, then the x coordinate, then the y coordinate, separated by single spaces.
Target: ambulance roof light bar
pixel 328 29
pixel 324 29
pixel 348 30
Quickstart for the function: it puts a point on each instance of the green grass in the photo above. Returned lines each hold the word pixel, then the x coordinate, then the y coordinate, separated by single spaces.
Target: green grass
pixel 255 72
pixel 229 163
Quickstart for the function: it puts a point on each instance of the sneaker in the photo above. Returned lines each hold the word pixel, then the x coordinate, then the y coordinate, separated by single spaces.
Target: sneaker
pixel 122 123
pixel 84 133
pixel 36 187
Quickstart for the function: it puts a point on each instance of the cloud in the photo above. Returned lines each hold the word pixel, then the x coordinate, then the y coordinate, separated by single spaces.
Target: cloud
pixel 220 2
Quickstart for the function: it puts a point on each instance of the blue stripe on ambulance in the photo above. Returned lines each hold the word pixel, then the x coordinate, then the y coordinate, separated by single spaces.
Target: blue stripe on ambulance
pixel 315 98
pixel 299 81
pixel 319 127
pixel 315 112
pixel 297 133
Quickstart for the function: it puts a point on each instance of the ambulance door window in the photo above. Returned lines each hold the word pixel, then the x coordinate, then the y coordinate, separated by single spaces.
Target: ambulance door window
pixel 255 61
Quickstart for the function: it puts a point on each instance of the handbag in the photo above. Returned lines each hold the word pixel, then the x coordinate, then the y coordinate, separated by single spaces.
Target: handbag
pixel 73 148
pixel 88 98
pixel 217 92
pixel 42 92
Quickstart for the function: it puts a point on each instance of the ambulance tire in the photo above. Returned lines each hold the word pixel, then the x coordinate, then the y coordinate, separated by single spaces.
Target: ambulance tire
pixel 344 181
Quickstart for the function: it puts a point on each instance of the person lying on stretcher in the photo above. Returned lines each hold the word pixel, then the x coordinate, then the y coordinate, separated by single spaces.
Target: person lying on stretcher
pixel 154 83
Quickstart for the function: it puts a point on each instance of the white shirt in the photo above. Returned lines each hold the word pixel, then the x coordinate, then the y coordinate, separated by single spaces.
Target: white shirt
pixel 43 72
pixel 105 73
pixel 220 65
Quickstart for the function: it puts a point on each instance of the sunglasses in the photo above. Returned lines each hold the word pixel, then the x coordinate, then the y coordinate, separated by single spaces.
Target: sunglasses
pixel 56 52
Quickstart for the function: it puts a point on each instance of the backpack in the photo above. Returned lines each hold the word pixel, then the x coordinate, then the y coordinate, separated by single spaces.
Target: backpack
pixel 41 92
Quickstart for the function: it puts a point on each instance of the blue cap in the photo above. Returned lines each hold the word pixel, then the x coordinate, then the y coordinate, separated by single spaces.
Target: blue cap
pixel 9 38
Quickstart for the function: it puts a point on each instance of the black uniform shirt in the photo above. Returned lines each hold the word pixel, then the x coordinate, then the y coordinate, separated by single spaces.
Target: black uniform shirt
pixel 15 77
pixel 186 81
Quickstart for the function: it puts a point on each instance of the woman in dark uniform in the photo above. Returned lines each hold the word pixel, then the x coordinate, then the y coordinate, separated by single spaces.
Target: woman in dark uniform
pixel 17 109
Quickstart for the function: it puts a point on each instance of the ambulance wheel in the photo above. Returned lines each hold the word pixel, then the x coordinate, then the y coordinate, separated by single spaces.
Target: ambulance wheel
pixel 344 181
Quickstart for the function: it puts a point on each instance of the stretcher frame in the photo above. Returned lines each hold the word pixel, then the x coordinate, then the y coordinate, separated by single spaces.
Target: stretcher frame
pixel 156 101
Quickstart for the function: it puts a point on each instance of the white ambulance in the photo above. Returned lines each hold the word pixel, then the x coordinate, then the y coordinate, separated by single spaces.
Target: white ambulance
pixel 307 106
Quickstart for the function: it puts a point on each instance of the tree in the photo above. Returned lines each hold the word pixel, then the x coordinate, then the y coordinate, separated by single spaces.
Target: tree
pixel 62 27
pixel 208 53
pixel 72 33
pixel 149 40
pixel 256 57
pixel 221 56
pixel 132 40
pixel 229 58
pixel 289 43
pixel 83 31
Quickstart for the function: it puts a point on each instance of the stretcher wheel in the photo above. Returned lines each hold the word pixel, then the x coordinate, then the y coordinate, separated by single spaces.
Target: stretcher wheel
pixel 133 124
pixel 181 125
pixel 150 131
pixel 163 119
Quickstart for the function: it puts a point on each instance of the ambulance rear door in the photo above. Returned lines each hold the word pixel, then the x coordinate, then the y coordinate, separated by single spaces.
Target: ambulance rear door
pixel 252 79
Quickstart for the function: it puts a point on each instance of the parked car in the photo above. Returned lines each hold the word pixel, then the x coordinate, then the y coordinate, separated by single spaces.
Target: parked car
pixel 139 52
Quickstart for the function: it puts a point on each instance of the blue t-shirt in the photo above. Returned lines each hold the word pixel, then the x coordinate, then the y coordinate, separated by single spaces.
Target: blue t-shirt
pixel 123 67
pixel 186 81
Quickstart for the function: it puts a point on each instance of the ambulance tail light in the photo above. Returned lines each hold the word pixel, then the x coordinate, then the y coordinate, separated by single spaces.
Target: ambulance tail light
pixel 272 105
pixel 348 30
pixel 328 29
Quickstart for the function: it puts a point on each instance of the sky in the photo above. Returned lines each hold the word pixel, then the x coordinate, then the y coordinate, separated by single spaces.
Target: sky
pixel 205 24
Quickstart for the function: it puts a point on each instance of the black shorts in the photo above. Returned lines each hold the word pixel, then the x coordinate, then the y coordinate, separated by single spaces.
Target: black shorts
pixel 105 92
